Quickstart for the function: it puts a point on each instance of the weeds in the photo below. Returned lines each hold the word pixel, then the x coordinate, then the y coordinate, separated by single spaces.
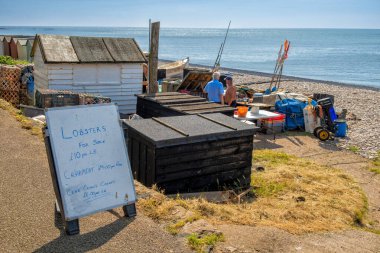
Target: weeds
pixel 7 60
pixel 26 123
pixel 200 242
pixel 174 228
pixel 354 149
pixel 265 188
pixel 375 164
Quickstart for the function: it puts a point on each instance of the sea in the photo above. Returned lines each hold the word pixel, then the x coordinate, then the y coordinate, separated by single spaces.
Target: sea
pixel 349 56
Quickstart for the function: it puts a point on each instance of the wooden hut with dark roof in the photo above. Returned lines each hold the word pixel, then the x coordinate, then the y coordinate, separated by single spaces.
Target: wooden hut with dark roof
pixel 1 45
pixel 6 48
pixel 110 67
pixel 29 46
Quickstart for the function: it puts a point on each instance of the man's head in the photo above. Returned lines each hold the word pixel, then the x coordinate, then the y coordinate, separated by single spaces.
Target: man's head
pixel 228 80
pixel 216 76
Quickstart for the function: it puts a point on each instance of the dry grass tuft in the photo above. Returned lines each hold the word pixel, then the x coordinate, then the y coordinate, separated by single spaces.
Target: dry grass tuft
pixel 293 194
pixel 26 123
pixel 375 164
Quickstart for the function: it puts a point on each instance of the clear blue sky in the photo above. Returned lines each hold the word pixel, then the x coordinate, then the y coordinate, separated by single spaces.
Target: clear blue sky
pixel 193 13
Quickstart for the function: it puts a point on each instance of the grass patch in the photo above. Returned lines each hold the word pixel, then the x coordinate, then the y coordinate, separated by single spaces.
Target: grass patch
pixel 372 230
pixel 375 170
pixel 375 164
pixel 174 228
pixel 292 193
pixel 354 149
pixel 271 158
pixel 7 60
pixel 26 123
pixel 265 188
pixel 199 243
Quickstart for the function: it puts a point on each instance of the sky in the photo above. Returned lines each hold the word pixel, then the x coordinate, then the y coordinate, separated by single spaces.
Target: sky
pixel 193 13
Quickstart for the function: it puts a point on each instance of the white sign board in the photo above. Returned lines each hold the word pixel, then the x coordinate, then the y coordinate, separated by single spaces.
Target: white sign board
pixel 91 160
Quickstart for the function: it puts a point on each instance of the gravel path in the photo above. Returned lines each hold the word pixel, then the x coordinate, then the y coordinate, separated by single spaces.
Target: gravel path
pixel 27 208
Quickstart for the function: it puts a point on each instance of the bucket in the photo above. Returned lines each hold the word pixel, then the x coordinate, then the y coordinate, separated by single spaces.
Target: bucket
pixel 242 111
pixel 255 110
pixel 340 128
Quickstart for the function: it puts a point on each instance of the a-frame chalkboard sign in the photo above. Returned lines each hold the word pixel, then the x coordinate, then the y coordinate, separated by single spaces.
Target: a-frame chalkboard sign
pixel 88 161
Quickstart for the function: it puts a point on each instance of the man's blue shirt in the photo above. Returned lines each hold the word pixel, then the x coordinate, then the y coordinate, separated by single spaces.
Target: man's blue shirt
pixel 214 89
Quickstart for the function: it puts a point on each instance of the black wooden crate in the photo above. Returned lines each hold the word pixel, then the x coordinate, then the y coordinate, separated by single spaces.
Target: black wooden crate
pixel 175 104
pixel 216 154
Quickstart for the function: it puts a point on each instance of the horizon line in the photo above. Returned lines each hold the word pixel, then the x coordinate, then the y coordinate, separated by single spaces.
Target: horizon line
pixel 168 27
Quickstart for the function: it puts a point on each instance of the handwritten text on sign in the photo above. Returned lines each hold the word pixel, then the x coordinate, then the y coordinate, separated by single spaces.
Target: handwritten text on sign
pixel 92 165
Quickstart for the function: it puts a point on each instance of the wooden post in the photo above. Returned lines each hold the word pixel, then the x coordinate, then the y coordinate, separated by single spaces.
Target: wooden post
pixel 153 57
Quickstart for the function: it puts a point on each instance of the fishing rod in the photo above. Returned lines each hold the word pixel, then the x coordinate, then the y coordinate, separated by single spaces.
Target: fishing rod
pixel 217 61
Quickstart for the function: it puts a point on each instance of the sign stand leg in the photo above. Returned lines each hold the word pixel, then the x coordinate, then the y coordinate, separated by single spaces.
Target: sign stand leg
pixel 72 226
pixel 129 210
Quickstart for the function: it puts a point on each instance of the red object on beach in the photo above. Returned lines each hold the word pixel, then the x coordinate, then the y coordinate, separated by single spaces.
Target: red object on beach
pixel 286 49
pixel 279 117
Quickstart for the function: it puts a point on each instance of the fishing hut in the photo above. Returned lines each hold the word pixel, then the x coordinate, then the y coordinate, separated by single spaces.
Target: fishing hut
pixel 176 104
pixel 13 48
pixel 109 67
pixel 22 49
pixel 1 45
pixel 6 49
pixel 191 153
pixel 29 46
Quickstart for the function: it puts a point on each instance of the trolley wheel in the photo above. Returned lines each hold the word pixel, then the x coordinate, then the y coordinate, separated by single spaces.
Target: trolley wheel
pixel 316 130
pixel 323 134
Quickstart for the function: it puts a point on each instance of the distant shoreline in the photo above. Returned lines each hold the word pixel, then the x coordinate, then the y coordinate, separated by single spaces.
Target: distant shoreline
pixel 263 74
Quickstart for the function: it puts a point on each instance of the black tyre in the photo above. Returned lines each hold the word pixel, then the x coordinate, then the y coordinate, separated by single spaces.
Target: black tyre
pixel 323 134
pixel 316 130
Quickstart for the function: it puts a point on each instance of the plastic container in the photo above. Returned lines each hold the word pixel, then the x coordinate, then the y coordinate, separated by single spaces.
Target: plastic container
pixel 310 118
pixel 242 111
pixel 273 125
pixel 255 110
pixel 341 128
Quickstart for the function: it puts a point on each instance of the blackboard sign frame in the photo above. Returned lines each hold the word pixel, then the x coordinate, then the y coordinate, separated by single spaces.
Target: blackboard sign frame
pixel 72 225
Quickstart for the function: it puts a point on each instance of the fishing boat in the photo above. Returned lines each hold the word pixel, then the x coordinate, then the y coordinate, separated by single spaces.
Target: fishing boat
pixel 174 69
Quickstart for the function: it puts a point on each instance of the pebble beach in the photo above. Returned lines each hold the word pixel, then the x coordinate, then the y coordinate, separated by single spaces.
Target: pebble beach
pixel 362 104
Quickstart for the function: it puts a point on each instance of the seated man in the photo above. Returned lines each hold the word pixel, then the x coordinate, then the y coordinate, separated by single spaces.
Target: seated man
pixel 214 89
pixel 230 96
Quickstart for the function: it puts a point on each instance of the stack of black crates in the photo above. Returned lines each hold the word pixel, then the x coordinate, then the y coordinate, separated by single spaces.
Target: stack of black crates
pixel 191 153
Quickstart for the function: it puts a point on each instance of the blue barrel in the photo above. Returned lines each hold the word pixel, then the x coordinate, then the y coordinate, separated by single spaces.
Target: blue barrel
pixel 340 128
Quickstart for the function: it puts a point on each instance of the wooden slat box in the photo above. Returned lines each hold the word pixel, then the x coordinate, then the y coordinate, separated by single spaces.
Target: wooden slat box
pixel 191 153
pixel 176 104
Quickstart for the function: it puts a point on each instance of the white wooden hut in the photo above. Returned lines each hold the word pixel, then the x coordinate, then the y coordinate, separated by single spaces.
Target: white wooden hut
pixel 1 45
pixel 110 67
pixel 21 49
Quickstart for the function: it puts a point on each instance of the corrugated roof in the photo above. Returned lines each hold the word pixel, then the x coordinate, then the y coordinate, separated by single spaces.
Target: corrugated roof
pixel 75 49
